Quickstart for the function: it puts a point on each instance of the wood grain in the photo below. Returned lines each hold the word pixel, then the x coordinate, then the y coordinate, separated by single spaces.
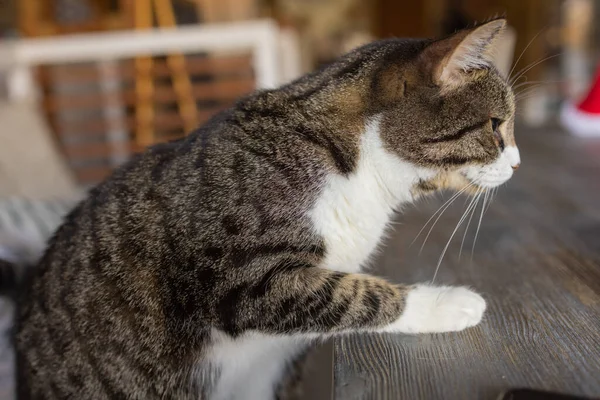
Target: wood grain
pixel 536 261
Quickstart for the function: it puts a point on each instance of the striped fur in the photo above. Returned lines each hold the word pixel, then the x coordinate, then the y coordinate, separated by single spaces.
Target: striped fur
pixel 204 266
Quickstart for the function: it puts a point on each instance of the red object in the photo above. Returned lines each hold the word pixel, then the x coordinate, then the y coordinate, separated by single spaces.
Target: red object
pixel 583 118
pixel 591 103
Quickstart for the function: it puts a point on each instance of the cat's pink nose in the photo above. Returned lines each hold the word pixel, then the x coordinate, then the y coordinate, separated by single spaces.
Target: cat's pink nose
pixel 512 156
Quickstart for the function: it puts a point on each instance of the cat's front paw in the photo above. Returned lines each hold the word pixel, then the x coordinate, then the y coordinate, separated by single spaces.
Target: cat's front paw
pixel 439 309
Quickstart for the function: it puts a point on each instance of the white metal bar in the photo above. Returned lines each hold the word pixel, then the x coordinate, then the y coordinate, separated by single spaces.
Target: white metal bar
pixel 290 60
pixel 262 37
pixel 266 57
pixel 20 84
pixel 127 44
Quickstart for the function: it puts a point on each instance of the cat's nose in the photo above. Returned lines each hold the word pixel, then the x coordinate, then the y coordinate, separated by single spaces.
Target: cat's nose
pixel 513 157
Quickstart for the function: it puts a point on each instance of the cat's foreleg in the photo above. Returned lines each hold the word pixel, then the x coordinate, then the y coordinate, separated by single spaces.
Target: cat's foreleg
pixel 319 301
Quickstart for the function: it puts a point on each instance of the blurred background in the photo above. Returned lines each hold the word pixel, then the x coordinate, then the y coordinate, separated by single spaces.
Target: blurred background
pixel 84 84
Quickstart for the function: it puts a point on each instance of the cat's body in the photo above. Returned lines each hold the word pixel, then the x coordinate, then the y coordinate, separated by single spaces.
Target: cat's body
pixel 205 266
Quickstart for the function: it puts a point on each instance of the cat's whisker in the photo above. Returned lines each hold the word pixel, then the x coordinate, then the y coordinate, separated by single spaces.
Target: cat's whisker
pixel 533 65
pixel 453 197
pixel 435 222
pixel 526 91
pixel 442 211
pixel 520 103
pixel 478 225
pixel 464 216
pixel 466 200
pixel 462 243
pixel 534 83
pixel 523 53
pixel 491 198
pixel 529 96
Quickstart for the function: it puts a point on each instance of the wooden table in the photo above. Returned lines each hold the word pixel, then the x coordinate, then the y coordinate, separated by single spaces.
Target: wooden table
pixel 536 261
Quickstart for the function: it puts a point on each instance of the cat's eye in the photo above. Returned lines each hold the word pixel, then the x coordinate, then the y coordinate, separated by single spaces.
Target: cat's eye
pixel 495 124
pixel 497 135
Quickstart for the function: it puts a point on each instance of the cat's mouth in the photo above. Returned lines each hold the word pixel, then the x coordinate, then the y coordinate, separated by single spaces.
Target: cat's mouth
pixel 454 180
pixel 471 187
pixel 494 174
pixel 471 182
pixel 487 177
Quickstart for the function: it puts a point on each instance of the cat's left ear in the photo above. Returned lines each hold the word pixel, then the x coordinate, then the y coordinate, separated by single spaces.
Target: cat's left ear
pixel 449 59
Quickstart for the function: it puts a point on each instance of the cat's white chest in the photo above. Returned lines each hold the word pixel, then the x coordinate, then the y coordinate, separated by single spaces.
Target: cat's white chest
pixel 352 212
pixel 351 220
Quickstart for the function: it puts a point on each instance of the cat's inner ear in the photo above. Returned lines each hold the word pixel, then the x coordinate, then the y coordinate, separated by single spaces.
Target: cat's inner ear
pixel 449 59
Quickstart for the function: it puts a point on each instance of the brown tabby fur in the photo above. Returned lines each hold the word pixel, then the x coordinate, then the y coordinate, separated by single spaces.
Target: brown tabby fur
pixel 210 232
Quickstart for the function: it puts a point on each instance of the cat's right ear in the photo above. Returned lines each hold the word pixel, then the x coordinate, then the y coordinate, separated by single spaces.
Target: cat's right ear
pixel 449 60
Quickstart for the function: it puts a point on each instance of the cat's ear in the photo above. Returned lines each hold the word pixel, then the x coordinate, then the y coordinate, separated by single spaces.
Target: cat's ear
pixel 449 59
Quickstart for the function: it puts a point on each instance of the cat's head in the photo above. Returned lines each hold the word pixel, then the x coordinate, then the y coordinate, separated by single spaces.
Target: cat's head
pixel 442 105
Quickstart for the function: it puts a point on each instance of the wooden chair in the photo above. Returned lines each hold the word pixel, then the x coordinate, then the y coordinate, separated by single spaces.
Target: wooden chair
pixel 90 88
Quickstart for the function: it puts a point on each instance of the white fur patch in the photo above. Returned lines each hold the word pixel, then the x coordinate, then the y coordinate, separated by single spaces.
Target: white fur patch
pixel 439 309
pixel 513 156
pixel 251 366
pixel 352 212
pixel 496 173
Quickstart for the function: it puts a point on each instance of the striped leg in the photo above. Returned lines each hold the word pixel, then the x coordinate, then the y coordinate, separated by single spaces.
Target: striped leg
pixel 317 301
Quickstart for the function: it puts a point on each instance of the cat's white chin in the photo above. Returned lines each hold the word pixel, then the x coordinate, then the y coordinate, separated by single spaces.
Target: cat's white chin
pixel 494 174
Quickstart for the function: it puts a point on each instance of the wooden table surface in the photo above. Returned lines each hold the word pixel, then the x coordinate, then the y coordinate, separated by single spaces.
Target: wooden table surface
pixel 536 261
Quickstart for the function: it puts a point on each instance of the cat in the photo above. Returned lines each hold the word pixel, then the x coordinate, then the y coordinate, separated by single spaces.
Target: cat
pixel 203 267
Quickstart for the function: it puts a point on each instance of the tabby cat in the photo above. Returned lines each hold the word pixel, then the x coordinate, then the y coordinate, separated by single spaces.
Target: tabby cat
pixel 204 266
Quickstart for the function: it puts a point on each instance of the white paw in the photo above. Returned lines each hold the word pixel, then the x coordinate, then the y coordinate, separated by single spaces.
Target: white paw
pixel 439 309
